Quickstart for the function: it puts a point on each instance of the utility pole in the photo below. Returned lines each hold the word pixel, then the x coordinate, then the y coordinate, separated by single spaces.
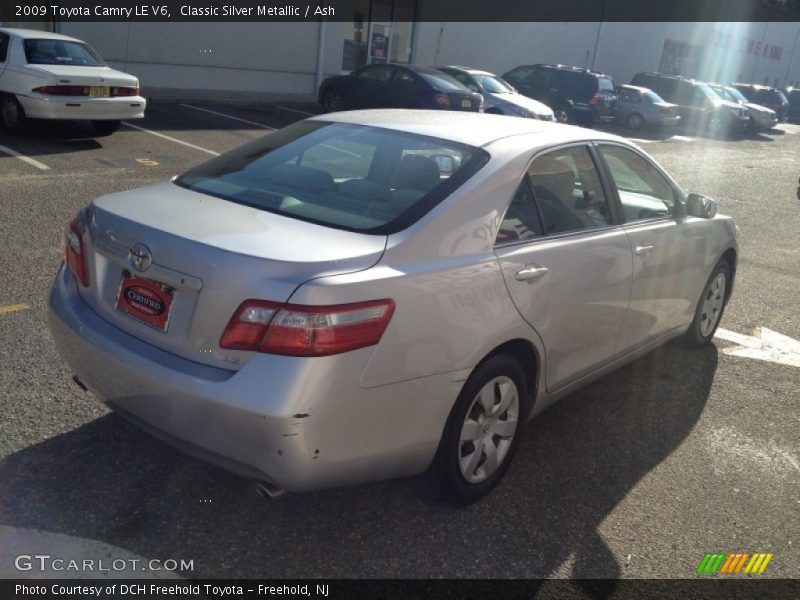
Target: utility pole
pixel 599 32
pixel 791 59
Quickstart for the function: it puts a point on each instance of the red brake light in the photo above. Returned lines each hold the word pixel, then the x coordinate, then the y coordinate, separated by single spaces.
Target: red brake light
pixel 595 100
pixel 124 91
pixel 297 330
pixel 442 100
pixel 73 253
pixel 63 90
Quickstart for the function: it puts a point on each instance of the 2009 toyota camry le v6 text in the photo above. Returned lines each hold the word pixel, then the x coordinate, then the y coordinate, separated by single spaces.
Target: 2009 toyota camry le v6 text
pixel 371 294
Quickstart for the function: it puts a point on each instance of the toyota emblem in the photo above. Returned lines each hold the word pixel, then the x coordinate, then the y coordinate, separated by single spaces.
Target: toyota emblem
pixel 139 257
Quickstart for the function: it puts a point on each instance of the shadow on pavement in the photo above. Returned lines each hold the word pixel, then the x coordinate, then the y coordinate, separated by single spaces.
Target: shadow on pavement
pixel 110 482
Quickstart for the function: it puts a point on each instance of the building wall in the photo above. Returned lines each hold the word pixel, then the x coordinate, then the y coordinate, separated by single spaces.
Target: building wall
pixel 279 60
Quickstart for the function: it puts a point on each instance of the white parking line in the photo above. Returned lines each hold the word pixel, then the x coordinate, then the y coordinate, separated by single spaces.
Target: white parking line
pixel 13 308
pixel 25 159
pixel 172 139
pixel 302 112
pixel 638 141
pixel 219 114
pixel 681 138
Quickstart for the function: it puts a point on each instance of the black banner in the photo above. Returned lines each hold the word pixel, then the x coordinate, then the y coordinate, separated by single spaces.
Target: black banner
pixel 427 10
pixel 404 589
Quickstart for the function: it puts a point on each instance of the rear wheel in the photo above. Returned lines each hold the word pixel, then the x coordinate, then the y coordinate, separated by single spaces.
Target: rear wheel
pixel 563 114
pixel 482 431
pixel 715 125
pixel 332 100
pixel 710 307
pixel 12 115
pixel 106 127
pixel 635 121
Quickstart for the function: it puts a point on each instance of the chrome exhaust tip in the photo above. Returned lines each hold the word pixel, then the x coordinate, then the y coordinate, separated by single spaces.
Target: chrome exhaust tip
pixel 266 489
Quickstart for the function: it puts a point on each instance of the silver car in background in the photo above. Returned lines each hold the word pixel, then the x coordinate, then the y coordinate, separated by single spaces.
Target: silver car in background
pixel 640 107
pixel 371 294
pixel 499 96
pixel 761 117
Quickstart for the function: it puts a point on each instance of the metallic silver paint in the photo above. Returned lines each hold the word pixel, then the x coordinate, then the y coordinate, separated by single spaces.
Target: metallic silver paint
pixel 377 412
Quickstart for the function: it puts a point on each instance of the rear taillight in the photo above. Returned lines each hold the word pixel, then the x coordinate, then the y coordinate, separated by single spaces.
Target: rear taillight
pixel 297 330
pixel 663 111
pixel 124 91
pixel 73 253
pixel 595 100
pixel 63 90
pixel 441 100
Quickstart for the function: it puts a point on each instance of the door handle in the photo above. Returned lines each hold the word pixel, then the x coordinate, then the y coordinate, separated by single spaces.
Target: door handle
pixel 642 250
pixel 531 273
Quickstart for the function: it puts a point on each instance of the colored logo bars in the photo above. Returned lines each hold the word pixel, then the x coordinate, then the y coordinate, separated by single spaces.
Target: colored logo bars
pixel 732 564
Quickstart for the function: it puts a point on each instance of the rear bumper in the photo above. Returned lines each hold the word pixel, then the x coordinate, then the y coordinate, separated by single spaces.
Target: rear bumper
pixel 667 121
pixel 299 424
pixel 41 107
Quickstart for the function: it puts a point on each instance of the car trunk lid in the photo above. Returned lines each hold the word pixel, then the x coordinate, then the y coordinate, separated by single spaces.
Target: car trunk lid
pixel 206 255
pixel 91 76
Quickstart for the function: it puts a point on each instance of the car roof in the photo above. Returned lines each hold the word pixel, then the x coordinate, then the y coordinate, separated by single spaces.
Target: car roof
pixel 419 69
pixel 474 129
pixel 37 34
pixel 469 70
pixel 637 88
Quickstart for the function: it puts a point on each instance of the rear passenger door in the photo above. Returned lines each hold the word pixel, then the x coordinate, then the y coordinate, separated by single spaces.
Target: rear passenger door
pixel 567 262
pixel 370 88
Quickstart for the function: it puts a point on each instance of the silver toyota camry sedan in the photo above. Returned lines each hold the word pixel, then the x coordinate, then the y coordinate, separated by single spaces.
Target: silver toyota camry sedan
pixel 373 294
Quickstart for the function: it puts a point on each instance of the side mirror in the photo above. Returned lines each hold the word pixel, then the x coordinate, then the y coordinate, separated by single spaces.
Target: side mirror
pixel 700 206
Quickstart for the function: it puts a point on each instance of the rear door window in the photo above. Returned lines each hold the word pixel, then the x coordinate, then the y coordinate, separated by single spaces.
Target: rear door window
pixel 568 191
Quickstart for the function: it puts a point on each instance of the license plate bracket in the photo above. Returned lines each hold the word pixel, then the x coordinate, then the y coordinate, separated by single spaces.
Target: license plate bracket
pixel 145 301
pixel 466 104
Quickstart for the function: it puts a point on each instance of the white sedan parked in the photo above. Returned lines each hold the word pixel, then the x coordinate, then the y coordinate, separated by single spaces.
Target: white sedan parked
pixel 51 76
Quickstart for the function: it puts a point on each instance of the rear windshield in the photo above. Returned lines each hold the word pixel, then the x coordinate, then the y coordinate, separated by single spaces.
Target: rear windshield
pixel 351 177
pixel 606 84
pixel 652 96
pixel 493 84
pixel 442 81
pixel 61 52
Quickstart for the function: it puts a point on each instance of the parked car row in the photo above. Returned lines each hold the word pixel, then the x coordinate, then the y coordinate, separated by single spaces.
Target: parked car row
pixel 567 95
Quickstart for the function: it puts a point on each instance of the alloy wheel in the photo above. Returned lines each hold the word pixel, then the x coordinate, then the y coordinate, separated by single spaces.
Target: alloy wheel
pixel 11 113
pixel 715 125
pixel 488 429
pixel 333 101
pixel 712 304
pixel 562 116
pixel 634 121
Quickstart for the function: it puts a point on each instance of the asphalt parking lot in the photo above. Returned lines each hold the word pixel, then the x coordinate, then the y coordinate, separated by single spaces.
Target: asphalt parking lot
pixel 678 454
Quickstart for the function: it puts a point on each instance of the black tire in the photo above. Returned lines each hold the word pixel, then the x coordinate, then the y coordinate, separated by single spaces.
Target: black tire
pixel 332 100
pixel 635 122
pixel 495 374
pixel 563 114
pixel 699 333
pixel 12 115
pixel 106 127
